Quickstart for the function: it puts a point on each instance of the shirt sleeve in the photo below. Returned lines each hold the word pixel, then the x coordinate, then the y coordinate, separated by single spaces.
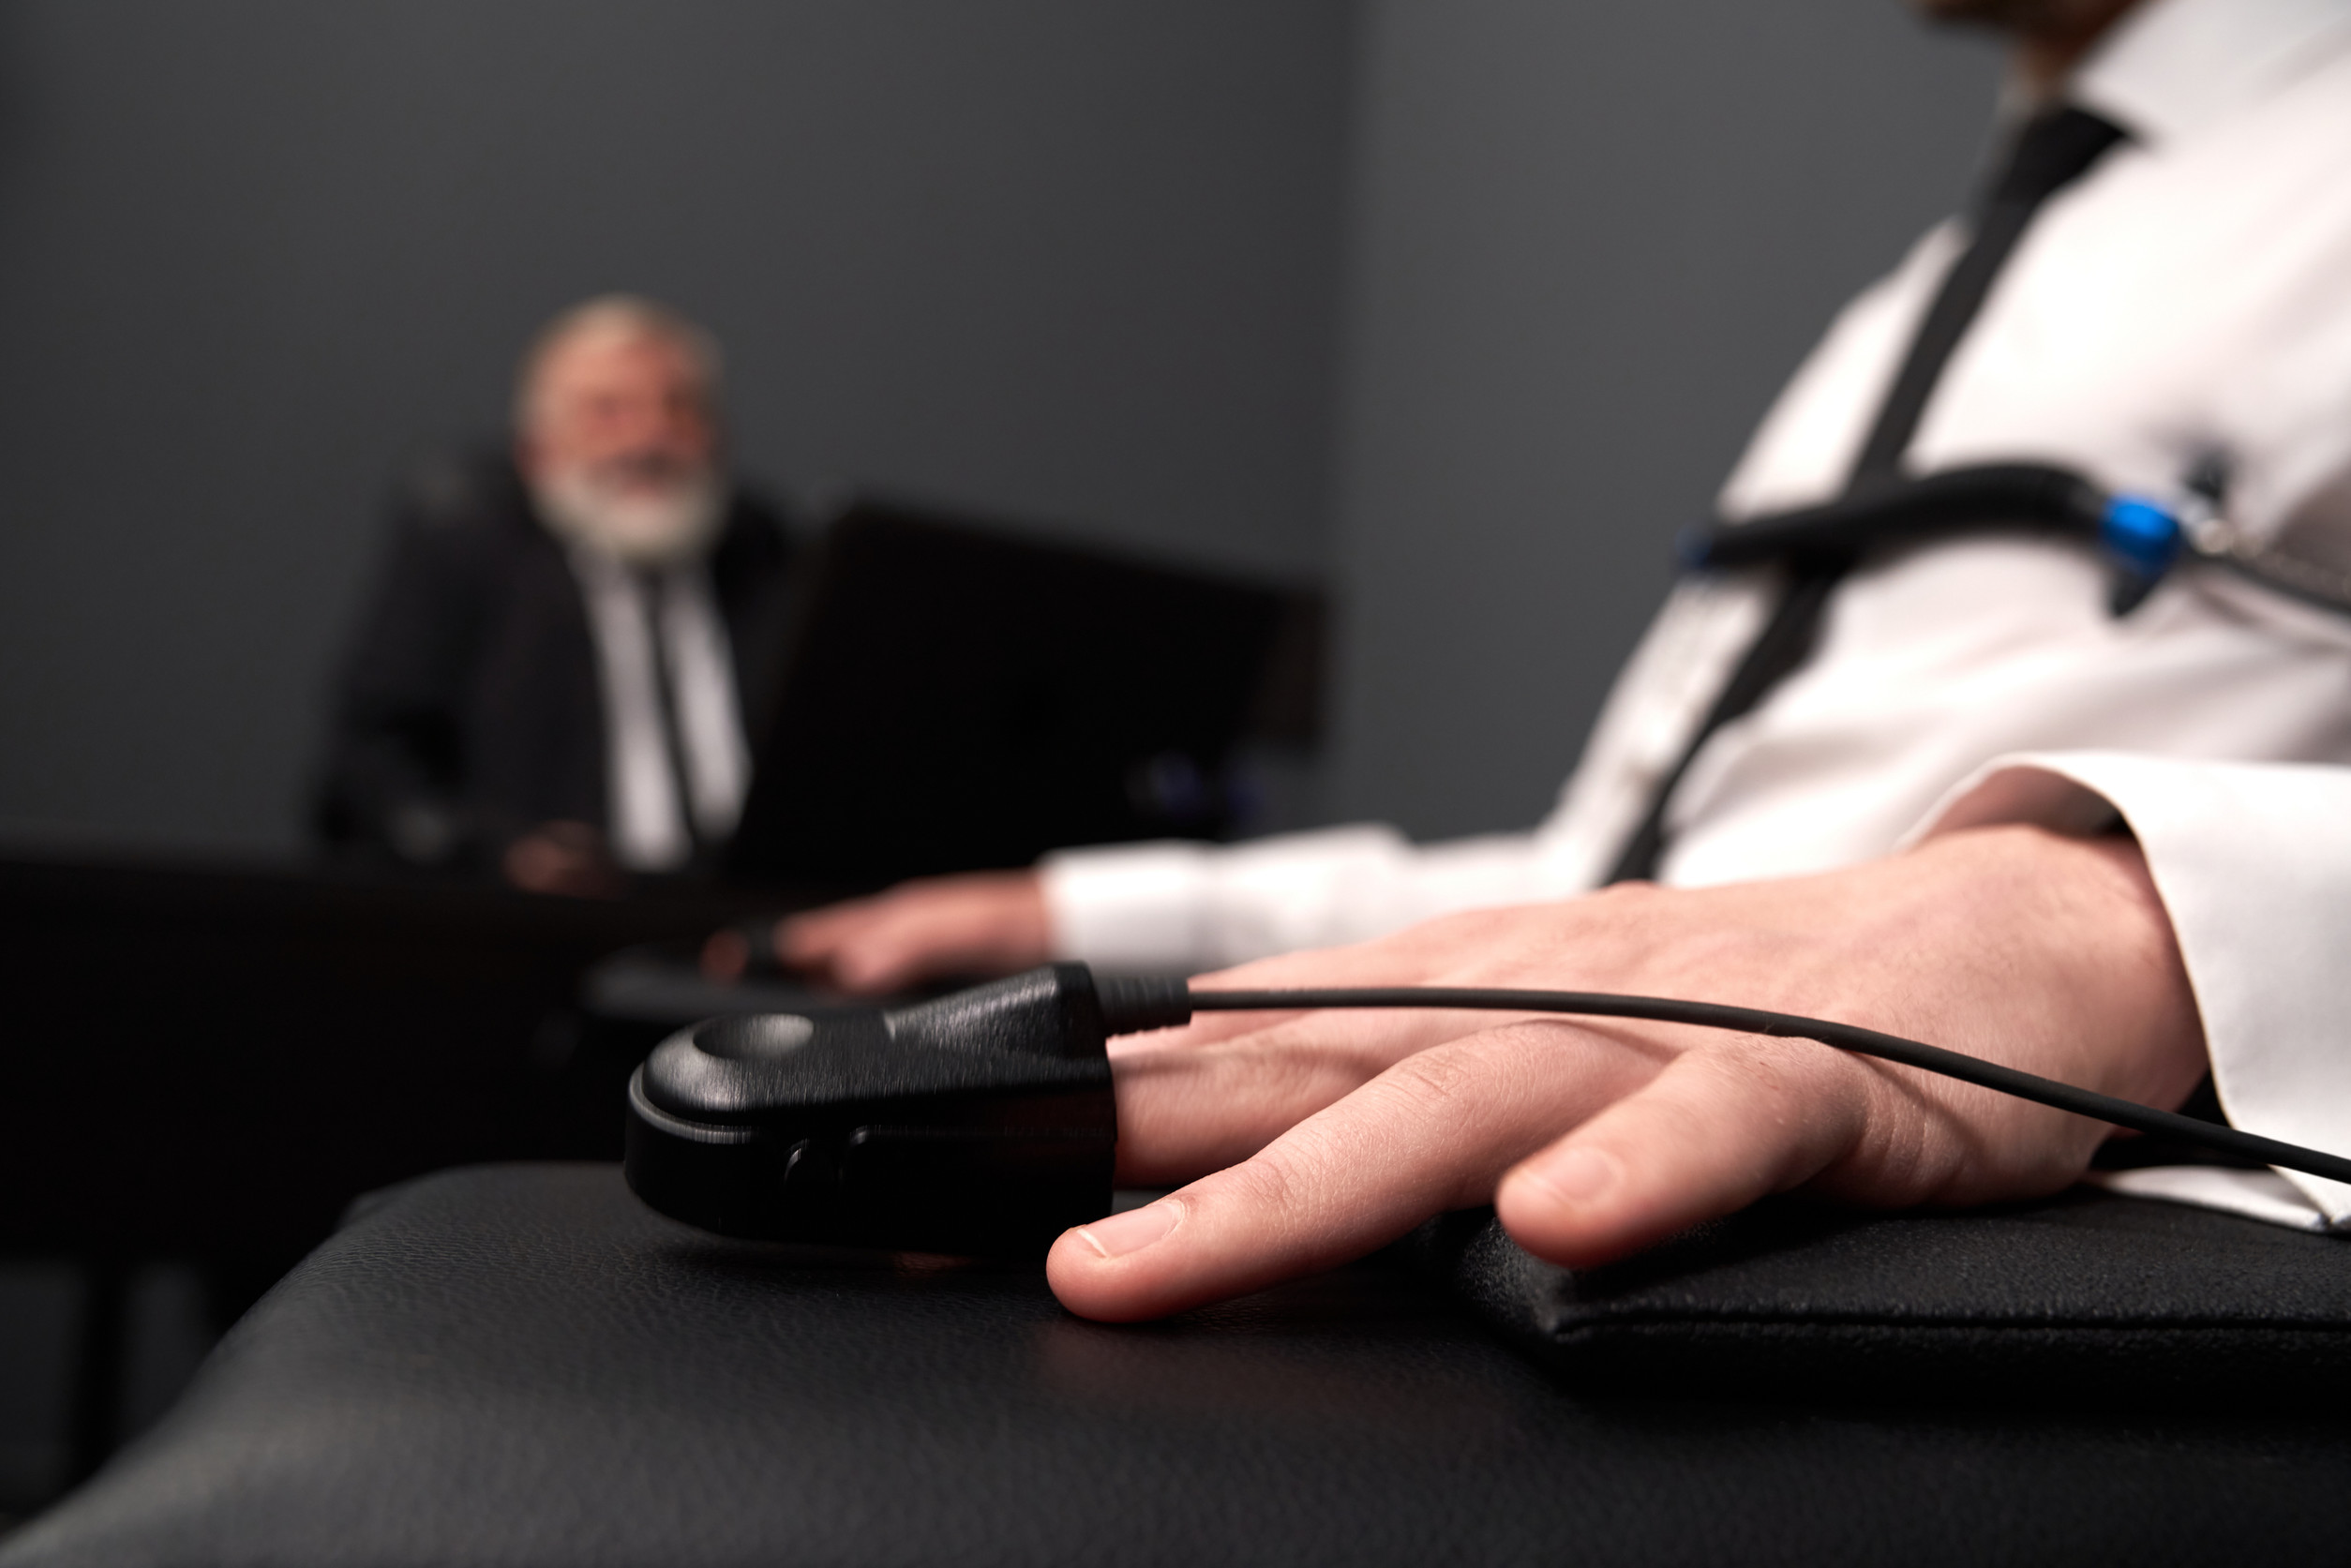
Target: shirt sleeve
pixel 1178 908
pixel 1175 907
pixel 2252 861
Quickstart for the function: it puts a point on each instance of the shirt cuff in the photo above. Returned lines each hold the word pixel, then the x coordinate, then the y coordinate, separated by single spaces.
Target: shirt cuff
pixel 2253 863
pixel 1183 907
pixel 1135 908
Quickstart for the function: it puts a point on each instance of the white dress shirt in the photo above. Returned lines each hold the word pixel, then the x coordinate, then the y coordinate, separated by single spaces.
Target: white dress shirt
pixel 645 821
pixel 2189 296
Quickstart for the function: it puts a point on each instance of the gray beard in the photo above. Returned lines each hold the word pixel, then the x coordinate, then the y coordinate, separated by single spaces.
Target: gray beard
pixel 637 528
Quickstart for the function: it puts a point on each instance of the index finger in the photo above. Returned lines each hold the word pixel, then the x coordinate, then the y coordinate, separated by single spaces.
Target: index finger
pixel 1431 1132
pixel 1188 1105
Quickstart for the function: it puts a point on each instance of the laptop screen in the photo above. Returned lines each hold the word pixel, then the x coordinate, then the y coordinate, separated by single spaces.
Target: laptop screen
pixel 957 697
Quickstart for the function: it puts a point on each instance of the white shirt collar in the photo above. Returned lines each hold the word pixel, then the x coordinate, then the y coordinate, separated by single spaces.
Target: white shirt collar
pixel 2172 66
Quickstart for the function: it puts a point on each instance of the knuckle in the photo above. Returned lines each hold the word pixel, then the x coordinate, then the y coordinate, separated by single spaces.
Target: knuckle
pixel 1441 1073
pixel 1816 1099
pixel 1786 1069
pixel 1845 1113
pixel 1457 1092
pixel 1446 1082
pixel 1267 1183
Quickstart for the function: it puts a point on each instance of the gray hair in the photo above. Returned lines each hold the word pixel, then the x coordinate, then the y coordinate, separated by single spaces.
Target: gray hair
pixel 618 316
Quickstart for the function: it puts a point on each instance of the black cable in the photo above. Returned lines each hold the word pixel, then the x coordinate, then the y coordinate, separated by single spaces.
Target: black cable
pixel 1753 1020
pixel 2033 497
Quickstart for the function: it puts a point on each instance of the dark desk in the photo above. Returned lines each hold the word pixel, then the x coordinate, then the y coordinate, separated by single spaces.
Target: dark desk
pixel 206 1063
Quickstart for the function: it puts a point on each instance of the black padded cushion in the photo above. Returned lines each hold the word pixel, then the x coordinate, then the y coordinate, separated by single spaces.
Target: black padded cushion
pixel 521 1366
pixel 2084 1296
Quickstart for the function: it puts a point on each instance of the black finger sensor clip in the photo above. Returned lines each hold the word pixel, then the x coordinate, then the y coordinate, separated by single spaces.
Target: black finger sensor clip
pixel 980 1122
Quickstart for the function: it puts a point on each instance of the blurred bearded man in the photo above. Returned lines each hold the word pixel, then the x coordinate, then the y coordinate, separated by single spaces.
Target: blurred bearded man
pixel 553 674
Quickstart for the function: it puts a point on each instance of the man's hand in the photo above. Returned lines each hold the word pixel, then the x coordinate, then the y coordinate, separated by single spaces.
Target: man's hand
pixel 566 858
pixel 1319 1137
pixel 986 923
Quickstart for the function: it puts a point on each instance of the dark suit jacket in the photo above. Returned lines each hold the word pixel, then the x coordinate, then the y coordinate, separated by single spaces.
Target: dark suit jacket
pixel 468 709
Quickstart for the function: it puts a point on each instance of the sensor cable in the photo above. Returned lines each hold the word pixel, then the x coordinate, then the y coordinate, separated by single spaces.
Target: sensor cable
pixel 1131 1006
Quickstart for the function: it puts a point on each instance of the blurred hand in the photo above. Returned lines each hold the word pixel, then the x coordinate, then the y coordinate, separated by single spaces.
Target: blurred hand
pixel 1318 1137
pixel 567 857
pixel 985 923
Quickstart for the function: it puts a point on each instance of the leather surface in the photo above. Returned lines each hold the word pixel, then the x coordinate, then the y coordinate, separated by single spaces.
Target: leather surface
pixel 521 1366
pixel 2087 1295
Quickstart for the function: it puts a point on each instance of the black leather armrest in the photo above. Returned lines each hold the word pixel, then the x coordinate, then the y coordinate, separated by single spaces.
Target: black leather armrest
pixel 2085 1296
pixel 521 1366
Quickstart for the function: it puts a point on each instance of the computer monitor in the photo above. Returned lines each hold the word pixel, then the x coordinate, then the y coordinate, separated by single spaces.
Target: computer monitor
pixel 957 695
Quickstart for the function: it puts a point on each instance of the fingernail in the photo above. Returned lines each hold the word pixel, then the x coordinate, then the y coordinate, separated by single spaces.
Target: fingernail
pixel 1132 1230
pixel 1580 1176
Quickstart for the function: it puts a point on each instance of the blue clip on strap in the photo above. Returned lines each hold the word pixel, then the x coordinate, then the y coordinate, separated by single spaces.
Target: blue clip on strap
pixel 2143 536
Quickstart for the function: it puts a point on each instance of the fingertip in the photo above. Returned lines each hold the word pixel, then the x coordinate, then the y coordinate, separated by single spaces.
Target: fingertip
pixel 1086 1283
pixel 1573 1205
pixel 725 956
pixel 866 976
pixel 1577 1176
pixel 1098 1270
pixel 794 941
pixel 1071 1274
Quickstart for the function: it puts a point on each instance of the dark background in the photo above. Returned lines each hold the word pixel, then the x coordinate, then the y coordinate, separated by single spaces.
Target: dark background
pixel 1459 307
pixel 1061 258
pixel 1462 308
pixel 1589 242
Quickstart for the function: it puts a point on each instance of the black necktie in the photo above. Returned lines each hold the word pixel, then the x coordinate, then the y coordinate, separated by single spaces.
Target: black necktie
pixel 673 742
pixel 2052 150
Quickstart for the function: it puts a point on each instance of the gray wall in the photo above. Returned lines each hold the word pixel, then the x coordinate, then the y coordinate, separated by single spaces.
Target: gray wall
pixel 1081 260
pixel 1071 258
pixel 1590 241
